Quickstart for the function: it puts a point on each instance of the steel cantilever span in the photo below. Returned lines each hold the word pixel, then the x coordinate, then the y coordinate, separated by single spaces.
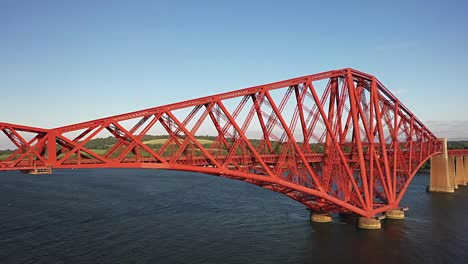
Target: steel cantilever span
pixel 336 141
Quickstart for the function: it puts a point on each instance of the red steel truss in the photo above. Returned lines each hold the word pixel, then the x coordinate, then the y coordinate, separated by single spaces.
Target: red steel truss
pixel 457 152
pixel 337 141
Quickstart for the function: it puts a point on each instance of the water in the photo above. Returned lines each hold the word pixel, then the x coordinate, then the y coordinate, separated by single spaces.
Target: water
pixel 149 216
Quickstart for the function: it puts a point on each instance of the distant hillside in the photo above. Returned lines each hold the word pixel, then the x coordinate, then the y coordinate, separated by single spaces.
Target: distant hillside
pixel 105 143
pixel 156 142
pixel 458 139
pixel 457 145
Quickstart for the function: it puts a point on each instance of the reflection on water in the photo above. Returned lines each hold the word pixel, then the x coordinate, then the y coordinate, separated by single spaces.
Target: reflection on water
pixel 137 216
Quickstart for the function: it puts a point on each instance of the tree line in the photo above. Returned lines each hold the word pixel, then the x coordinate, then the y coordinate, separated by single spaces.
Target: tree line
pixel 105 143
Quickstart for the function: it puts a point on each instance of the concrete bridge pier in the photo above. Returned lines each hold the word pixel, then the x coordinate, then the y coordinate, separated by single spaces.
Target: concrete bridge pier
pixel 451 168
pixel 465 167
pixel 442 175
pixel 369 223
pixel 460 171
pixel 397 214
pixel 319 217
pixel 362 222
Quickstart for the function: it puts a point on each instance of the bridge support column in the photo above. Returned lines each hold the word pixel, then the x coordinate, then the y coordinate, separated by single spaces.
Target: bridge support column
pixel 440 177
pixel 320 217
pixel 451 168
pixel 368 223
pixel 465 167
pixel 397 214
pixel 459 171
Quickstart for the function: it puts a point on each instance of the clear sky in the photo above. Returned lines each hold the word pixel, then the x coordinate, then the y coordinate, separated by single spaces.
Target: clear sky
pixel 63 62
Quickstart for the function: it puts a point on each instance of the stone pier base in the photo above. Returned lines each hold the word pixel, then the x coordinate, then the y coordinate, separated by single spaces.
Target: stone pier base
pixel 320 217
pixel 442 178
pixel 368 223
pixel 395 214
pixel 451 172
pixel 459 171
pixel 465 167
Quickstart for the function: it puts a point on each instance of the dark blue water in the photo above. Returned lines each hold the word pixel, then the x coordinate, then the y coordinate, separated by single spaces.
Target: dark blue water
pixel 149 216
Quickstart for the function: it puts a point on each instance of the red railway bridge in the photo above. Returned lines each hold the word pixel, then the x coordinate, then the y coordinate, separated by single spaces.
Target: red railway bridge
pixel 337 141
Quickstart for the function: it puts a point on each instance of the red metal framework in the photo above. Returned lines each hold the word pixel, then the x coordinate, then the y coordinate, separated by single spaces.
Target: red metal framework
pixel 457 152
pixel 336 141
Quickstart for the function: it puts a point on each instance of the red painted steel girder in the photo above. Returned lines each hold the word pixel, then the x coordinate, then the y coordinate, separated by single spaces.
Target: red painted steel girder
pixel 457 152
pixel 337 141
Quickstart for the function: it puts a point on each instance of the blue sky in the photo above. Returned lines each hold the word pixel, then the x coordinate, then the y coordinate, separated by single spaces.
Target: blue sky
pixel 69 61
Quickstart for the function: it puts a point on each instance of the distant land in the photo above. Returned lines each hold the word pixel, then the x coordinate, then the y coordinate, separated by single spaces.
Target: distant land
pixel 458 139
pixel 156 142
pixel 457 144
